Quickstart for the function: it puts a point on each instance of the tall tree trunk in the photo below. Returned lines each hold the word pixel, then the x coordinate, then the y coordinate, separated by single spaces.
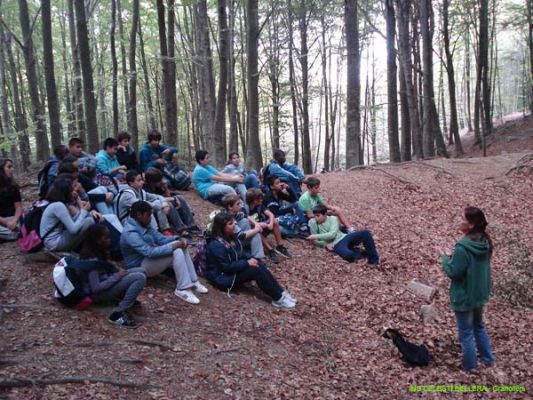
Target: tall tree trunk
pixel 467 81
pixel 254 157
pixel 123 60
pixel 76 73
pixel 529 6
pixel 392 85
pixel 405 121
pixel 71 115
pixel 325 89
pixel 220 113
pixel 51 90
pixel 407 68
pixel 43 149
pixel 147 88
pixel 353 88
pixel 273 67
pixel 307 161
pixel 432 134
pixel 484 57
pixel 87 73
pixel 292 78
pixel 454 124
pixel 207 81
pixel 171 105
pixel 21 125
pixel 233 111
pixel 133 127
pixel 114 64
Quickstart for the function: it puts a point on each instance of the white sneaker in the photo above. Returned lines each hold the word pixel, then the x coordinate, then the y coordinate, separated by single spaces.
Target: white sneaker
pixel 289 296
pixel 284 302
pixel 187 295
pixel 199 288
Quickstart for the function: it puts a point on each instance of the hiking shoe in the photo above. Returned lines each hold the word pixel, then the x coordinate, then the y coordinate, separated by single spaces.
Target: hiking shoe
pixel 303 234
pixel 122 320
pixel 194 229
pixel 187 295
pixel 283 251
pixel 284 302
pixel 199 288
pixel 289 296
pixel 272 256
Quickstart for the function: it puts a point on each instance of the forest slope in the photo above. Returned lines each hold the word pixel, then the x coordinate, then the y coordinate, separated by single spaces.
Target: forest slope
pixel 331 346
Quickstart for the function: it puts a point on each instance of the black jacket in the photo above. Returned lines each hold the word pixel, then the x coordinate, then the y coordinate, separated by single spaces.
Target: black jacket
pixel 224 261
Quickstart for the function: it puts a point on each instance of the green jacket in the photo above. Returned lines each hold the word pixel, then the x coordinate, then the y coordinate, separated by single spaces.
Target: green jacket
pixel 469 270
pixel 328 232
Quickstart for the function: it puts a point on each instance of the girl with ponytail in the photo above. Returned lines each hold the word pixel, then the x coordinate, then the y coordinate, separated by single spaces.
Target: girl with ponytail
pixel 470 272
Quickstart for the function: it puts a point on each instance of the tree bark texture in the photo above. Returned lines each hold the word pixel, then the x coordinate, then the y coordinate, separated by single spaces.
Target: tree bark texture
pixel 450 72
pixel 307 162
pixel 51 89
pixel 254 157
pixel 133 128
pixel 220 112
pixel 41 138
pixel 76 74
pixel 354 154
pixel 114 65
pixel 392 85
pixel 87 73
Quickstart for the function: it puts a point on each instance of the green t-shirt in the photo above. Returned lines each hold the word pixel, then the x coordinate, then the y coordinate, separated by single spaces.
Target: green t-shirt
pixel 308 202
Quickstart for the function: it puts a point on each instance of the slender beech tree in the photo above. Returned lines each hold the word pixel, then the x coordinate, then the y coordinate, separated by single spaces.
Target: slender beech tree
pixel 43 149
pixel 133 127
pixel 87 73
pixel 170 87
pixel 431 129
pixel 76 74
pixel 114 65
pixel 403 13
pixel 51 90
pixel 354 154
pixel 147 88
pixel 123 60
pixel 254 157
pixel 21 125
pixel 450 72
pixel 303 22
pixel 232 98
pixel 292 82
pixel 392 85
pixel 220 112
pixel 529 13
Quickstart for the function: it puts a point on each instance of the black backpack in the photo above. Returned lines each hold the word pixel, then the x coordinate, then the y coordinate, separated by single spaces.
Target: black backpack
pixel 69 290
pixel 42 180
pixel 416 355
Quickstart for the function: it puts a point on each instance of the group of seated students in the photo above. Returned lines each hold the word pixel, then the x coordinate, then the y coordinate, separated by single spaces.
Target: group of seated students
pixel 114 207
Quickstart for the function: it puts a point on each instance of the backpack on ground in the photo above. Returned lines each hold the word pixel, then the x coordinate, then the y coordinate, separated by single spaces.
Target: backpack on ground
pixel 69 290
pixel 176 177
pixel 200 258
pixel 42 180
pixel 416 355
pixel 30 240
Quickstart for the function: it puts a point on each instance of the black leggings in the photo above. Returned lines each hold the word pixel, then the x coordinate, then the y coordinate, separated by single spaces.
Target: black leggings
pixel 264 278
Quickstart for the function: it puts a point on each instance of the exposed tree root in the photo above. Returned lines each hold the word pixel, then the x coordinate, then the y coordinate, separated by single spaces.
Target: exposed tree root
pixel 521 163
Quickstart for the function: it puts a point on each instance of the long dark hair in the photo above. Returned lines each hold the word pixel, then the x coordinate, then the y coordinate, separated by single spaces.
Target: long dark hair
pixel 91 247
pixel 219 222
pixel 61 189
pixel 6 182
pixel 477 218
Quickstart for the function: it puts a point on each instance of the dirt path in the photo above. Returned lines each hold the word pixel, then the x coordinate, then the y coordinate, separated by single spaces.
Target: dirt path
pixel 239 346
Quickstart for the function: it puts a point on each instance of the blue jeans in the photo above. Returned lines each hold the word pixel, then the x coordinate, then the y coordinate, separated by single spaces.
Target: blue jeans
pixel 347 247
pixel 472 335
pixel 251 181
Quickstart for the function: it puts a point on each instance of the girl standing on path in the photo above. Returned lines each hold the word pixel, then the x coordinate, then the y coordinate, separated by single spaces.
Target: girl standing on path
pixel 469 269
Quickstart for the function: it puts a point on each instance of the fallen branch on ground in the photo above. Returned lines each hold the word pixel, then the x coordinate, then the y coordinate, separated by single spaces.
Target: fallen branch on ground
pixel 29 306
pixel 12 383
pixel 402 180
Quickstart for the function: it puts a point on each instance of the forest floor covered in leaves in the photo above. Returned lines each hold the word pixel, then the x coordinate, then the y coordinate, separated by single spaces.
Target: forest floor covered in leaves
pixel 331 346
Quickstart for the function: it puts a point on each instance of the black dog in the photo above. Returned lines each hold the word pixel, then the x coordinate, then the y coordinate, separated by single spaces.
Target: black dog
pixel 414 354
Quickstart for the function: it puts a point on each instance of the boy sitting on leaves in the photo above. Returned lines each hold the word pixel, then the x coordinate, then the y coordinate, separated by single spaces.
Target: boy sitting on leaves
pixel 266 219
